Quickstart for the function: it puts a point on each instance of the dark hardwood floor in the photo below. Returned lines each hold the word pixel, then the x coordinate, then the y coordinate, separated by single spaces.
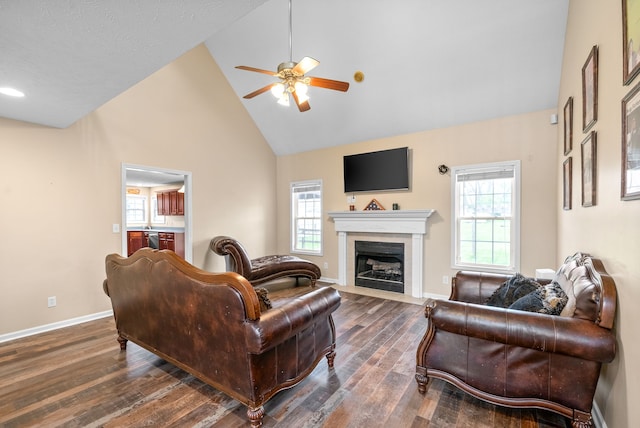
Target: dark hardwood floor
pixel 78 377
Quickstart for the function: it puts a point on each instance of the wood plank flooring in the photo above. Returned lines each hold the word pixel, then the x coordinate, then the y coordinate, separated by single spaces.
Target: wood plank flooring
pixel 78 377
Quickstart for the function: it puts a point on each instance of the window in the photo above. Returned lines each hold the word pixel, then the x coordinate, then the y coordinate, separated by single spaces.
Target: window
pixel 486 206
pixel 306 217
pixel 155 218
pixel 136 209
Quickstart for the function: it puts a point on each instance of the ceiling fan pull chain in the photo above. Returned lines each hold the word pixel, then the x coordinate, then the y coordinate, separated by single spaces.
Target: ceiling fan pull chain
pixel 290 34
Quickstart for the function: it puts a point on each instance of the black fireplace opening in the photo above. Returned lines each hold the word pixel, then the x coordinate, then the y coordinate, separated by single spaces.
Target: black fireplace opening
pixel 380 265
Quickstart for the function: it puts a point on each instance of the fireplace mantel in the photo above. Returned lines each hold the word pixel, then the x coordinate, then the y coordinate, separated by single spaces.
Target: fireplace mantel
pixel 413 222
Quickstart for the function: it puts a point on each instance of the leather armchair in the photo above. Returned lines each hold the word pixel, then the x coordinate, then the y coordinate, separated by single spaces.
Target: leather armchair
pixel 523 359
pixel 262 269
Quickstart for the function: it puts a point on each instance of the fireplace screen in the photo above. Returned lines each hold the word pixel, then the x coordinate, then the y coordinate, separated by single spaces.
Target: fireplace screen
pixel 379 265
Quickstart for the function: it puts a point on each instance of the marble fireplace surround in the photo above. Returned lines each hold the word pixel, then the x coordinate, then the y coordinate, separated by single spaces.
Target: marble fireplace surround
pixel 383 225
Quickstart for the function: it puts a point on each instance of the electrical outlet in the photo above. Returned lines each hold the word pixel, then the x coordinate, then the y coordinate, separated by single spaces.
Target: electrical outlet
pixel 445 279
pixel 115 228
pixel 51 301
pixel 326 265
pixel 351 199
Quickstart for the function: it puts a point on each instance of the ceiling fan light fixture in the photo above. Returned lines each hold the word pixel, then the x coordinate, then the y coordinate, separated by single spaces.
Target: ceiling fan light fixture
pixel 301 91
pixel 294 83
pixel 301 88
pixel 277 90
pixel 284 99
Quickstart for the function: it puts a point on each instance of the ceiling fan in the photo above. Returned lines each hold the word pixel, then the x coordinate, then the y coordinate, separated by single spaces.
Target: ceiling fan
pixel 293 82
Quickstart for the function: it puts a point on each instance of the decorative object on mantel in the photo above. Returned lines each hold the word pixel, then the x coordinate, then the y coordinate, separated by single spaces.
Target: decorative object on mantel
pixel 374 205
pixel 443 169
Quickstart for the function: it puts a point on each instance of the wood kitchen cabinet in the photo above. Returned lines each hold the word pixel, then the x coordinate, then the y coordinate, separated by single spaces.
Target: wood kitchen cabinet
pixel 170 202
pixel 136 240
pixel 173 241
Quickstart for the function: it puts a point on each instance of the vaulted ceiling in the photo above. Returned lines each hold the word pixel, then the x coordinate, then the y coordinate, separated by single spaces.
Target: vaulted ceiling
pixel 427 63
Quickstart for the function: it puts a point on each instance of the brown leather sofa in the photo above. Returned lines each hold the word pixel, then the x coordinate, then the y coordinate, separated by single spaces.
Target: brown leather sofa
pixel 523 359
pixel 262 269
pixel 211 324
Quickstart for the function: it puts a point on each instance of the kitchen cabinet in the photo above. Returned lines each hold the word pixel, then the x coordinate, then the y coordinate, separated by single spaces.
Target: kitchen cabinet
pixel 170 202
pixel 136 240
pixel 173 241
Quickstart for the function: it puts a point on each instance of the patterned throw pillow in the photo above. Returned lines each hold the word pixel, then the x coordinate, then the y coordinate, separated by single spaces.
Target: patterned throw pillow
pixel 548 299
pixel 511 290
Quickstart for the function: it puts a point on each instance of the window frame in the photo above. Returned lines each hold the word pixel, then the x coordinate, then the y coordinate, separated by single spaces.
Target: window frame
pixel 145 208
pixel 514 241
pixel 294 217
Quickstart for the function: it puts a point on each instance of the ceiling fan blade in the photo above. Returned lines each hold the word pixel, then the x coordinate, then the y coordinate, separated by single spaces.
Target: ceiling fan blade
pixel 304 106
pixel 336 85
pixel 257 70
pixel 305 65
pixel 260 91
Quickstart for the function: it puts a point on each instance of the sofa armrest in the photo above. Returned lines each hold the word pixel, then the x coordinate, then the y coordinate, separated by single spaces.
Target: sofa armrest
pixel 548 333
pixel 235 255
pixel 290 316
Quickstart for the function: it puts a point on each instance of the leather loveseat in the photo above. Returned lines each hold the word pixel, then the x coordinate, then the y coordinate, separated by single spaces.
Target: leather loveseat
pixel 523 359
pixel 212 325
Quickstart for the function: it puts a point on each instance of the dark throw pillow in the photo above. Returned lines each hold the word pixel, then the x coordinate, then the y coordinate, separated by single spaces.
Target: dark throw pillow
pixel 548 299
pixel 511 290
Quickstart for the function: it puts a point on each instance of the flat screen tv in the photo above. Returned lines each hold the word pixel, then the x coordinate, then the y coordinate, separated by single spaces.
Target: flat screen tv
pixel 376 171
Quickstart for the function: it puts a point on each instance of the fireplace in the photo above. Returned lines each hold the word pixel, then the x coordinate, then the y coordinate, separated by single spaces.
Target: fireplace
pixel 407 226
pixel 379 265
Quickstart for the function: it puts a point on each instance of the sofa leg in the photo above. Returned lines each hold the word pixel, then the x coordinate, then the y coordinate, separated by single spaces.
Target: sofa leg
pixel 255 416
pixel 331 356
pixel 422 383
pixel 123 343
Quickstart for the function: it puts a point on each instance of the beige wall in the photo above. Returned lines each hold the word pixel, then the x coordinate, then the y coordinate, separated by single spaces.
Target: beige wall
pixel 611 229
pixel 529 138
pixel 61 188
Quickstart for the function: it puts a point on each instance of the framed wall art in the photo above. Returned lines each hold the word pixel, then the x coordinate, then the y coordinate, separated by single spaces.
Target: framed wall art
pixel 631 145
pixel 630 40
pixel 567 172
pixel 568 126
pixel 589 170
pixel 590 90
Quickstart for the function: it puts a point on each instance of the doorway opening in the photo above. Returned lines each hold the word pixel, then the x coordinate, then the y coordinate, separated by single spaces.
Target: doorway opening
pixel 149 179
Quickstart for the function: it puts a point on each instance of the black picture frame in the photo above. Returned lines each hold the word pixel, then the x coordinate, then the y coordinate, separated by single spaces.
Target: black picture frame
pixel 630 169
pixel 567 174
pixel 589 163
pixel 590 90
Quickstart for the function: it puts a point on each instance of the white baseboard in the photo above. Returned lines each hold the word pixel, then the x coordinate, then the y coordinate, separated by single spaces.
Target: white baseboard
pixel 435 296
pixel 329 280
pixel 54 326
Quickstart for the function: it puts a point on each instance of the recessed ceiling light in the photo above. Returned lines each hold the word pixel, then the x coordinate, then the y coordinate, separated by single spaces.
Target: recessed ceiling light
pixel 11 92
